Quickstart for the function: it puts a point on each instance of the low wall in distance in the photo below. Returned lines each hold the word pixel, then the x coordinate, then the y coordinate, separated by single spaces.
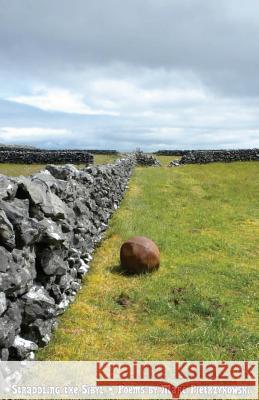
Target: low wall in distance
pixel 171 152
pixel 109 152
pixel 209 156
pixel 36 156
pixel 50 224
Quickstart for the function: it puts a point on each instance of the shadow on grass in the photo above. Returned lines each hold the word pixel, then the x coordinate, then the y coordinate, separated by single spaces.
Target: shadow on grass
pixel 119 270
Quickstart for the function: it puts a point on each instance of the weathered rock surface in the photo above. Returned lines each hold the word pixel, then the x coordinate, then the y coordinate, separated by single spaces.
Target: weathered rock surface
pixel 17 271
pixel 7 236
pixel 49 225
pixel 22 348
pixel 8 188
pixel 3 304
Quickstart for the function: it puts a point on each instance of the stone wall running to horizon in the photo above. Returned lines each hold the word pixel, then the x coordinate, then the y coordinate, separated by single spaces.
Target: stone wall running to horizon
pixel 50 224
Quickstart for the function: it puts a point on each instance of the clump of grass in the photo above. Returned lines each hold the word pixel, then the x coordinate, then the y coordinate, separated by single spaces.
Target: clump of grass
pixel 203 301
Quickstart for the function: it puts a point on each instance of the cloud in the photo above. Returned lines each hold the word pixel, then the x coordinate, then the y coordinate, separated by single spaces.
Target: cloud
pixel 61 100
pixel 217 39
pixel 128 74
pixel 11 134
pixel 128 95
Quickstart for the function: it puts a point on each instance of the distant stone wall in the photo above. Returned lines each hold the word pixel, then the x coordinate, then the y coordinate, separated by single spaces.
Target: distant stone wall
pixel 172 152
pixel 208 156
pixel 109 152
pixel 35 156
pixel 50 224
pixel 16 147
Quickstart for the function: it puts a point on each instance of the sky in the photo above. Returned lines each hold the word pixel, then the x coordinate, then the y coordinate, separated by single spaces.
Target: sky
pixel 127 74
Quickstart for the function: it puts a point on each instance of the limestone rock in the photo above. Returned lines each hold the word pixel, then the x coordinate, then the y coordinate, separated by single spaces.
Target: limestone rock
pixel 8 188
pixel 52 261
pixel 7 235
pixel 22 348
pixel 42 198
pixel 3 304
pixel 18 271
pixel 40 331
pixel 7 332
pixel 38 304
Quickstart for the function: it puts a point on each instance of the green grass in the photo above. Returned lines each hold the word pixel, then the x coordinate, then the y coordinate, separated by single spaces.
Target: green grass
pixel 20 169
pixel 105 158
pixel 29 169
pixel 203 301
pixel 165 160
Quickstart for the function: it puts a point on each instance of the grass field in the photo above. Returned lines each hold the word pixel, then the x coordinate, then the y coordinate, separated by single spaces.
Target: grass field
pixel 165 160
pixel 20 169
pixel 105 158
pixel 23 169
pixel 203 301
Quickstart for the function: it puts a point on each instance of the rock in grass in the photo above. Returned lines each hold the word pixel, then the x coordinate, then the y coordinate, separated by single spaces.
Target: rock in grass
pixel 139 254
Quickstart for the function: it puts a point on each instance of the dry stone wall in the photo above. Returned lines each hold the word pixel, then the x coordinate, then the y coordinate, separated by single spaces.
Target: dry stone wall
pixel 171 152
pixel 50 224
pixel 104 152
pixel 36 156
pixel 146 160
pixel 208 156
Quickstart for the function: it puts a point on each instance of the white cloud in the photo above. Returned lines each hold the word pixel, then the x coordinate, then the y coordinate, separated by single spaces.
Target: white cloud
pixel 127 96
pixel 174 73
pixel 9 134
pixel 154 109
pixel 59 100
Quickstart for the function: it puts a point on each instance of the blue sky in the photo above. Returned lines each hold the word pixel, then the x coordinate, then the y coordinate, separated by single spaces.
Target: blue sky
pixel 126 74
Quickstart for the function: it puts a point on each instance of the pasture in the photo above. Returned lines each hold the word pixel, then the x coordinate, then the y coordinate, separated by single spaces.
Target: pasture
pixel 203 301
pixel 29 169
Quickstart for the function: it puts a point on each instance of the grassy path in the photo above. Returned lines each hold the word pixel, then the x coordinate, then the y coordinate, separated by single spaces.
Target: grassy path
pixel 203 302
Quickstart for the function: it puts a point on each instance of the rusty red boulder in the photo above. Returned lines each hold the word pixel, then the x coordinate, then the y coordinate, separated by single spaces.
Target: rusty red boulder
pixel 139 254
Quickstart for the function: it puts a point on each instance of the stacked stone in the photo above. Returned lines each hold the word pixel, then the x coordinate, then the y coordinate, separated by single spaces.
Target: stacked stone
pixel 28 156
pixel 50 224
pixel 208 156
pixel 146 160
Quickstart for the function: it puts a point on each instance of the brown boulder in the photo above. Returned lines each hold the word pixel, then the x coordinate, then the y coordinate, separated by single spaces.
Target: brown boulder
pixel 139 254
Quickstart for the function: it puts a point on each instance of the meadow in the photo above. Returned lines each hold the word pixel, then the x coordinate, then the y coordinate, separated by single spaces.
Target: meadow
pixel 203 301
pixel 25 169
